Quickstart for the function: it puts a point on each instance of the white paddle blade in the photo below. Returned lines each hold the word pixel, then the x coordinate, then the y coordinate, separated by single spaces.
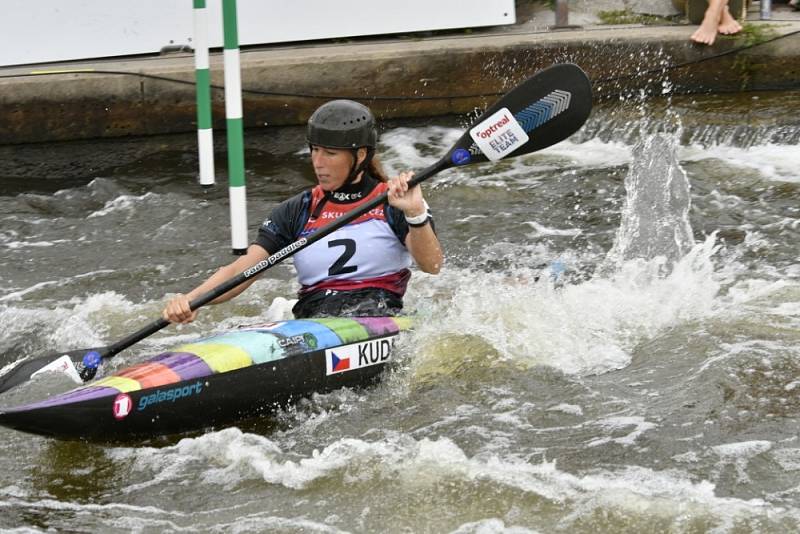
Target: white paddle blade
pixel 61 365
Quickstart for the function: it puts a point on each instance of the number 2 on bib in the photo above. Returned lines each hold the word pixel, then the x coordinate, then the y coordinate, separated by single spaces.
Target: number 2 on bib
pixel 340 265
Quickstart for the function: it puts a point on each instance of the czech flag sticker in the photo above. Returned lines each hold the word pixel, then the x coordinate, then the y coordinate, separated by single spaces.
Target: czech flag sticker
pixel 337 364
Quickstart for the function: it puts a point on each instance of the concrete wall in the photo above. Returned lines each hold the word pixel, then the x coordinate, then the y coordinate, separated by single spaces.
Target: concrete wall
pixel 397 78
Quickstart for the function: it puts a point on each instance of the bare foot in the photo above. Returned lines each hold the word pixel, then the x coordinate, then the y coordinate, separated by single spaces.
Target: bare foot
pixel 727 24
pixel 707 31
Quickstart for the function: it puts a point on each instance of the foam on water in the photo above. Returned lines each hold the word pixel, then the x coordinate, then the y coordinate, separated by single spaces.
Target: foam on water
pixel 584 328
pixel 592 153
pixel 18 294
pixel 571 409
pixel 746 449
pixel 789 459
pixel 771 162
pixel 640 426
pixel 75 201
pixel 34 244
pixel 544 230
pixel 77 325
pixel 122 203
pixel 234 456
pixel 403 465
pixel 262 522
pixel 406 144
pixel 86 320
pixel 491 526
pixel 63 505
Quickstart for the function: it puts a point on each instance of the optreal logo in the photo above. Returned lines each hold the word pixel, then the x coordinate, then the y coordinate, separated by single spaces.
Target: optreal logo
pixel 499 135
pixel 505 119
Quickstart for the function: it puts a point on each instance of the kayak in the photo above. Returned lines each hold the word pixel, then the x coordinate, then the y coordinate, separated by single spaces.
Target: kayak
pixel 217 380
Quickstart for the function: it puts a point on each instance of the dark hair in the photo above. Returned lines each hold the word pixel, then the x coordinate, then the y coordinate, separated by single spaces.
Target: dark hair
pixel 375 169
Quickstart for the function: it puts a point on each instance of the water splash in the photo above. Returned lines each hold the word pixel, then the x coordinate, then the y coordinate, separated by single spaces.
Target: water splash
pixel 519 318
pixel 655 218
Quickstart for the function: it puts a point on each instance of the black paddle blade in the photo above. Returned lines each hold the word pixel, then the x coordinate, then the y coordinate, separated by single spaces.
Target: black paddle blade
pixel 23 372
pixel 546 108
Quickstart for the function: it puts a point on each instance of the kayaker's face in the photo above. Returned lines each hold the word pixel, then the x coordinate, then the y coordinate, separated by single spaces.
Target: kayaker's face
pixel 332 165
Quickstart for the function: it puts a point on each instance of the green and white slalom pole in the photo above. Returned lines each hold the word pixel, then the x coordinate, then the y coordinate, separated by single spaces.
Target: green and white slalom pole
pixel 205 135
pixel 233 115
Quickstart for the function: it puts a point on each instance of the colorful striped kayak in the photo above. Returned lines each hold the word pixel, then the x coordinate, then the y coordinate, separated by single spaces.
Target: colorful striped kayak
pixel 217 380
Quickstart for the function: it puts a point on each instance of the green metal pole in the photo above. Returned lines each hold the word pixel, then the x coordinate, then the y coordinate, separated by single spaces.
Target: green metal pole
pixel 233 115
pixel 205 135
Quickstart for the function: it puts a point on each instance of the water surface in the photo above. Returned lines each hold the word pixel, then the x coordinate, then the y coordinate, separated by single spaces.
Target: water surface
pixel 570 374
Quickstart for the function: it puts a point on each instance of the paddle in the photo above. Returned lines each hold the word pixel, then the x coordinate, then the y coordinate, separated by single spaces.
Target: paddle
pixel 541 111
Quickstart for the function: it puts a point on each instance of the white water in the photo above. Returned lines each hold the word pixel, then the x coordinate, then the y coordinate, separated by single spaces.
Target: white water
pixel 526 400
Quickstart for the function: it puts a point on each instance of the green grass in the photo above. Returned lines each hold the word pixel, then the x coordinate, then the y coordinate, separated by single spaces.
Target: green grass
pixel 625 16
pixel 753 34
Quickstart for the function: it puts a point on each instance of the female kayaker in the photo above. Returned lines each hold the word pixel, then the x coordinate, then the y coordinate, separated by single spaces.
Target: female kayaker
pixel 361 269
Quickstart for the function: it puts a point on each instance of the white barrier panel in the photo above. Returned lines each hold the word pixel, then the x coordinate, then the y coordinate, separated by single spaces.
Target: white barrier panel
pixel 43 31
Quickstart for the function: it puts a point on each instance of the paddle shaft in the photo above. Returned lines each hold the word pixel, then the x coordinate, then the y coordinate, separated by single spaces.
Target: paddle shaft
pixel 274 259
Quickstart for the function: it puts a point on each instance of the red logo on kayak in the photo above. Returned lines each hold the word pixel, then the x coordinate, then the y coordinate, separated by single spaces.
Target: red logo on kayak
pixel 339 364
pixel 122 406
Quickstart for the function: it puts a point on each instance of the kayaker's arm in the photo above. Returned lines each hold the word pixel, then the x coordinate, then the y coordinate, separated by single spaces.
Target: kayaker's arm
pixel 421 240
pixel 424 246
pixel 177 309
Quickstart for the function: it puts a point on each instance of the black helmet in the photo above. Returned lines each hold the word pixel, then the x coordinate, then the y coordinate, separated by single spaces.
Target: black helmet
pixel 342 124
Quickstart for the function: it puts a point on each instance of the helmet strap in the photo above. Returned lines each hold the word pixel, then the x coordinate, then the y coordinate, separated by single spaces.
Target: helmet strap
pixel 357 168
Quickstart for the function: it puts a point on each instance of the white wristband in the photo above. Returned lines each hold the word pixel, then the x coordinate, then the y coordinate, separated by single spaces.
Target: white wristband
pixel 421 218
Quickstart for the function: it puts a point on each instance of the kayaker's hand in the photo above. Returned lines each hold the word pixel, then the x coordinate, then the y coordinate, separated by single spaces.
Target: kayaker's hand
pixel 409 200
pixel 177 310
